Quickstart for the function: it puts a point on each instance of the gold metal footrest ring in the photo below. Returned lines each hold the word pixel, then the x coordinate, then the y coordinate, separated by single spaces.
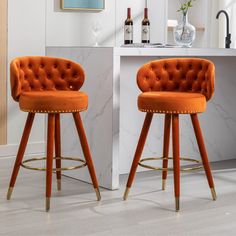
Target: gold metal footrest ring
pixel 170 169
pixel 23 164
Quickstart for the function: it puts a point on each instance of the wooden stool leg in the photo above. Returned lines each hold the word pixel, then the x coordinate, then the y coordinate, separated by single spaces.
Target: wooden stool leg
pixel 166 149
pixel 138 152
pixel 87 154
pixel 21 151
pixel 176 158
pixel 203 153
pixel 58 150
pixel 49 161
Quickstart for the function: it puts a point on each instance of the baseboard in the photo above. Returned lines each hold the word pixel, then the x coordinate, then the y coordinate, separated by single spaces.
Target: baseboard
pixel 33 149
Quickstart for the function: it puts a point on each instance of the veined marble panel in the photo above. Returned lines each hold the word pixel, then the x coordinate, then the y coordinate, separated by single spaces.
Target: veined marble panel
pixel 98 66
pixel 113 122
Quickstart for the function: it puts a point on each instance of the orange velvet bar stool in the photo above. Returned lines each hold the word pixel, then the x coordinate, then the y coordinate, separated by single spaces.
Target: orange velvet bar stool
pixel 50 85
pixel 173 87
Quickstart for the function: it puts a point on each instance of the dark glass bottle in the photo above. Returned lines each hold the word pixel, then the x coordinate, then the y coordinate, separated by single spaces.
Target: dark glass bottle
pixel 145 28
pixel 128 28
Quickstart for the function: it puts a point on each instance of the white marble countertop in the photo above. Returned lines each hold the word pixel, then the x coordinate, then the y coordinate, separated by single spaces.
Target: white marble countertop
pixel 139 51
pixel 125 51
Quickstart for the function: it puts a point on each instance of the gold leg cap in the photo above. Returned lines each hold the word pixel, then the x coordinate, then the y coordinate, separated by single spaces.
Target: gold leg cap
pixel 164 184
pixel 213 193
pixel 9 193
pixel 177 204
pixel 47 204
pixel 59 184
pixel 97 194
pixel 126 194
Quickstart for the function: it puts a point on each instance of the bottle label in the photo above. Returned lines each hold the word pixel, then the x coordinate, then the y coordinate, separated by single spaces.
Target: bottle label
pixel 128 34
pixel 145 32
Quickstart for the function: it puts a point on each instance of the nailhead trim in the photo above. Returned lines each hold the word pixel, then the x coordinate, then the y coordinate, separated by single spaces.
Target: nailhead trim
pixel 55 111
pixel 170 112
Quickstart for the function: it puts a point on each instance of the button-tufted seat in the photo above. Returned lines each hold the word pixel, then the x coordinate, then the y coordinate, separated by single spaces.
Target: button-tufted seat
pixel 53 101
pixel 172 102
pixel 172 87
pixel 50 85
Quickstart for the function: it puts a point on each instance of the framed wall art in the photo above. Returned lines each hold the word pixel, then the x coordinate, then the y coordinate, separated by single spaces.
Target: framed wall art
pixel 86 5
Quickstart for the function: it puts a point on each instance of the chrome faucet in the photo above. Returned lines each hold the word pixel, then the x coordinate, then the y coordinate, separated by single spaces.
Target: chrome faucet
pixel 228 35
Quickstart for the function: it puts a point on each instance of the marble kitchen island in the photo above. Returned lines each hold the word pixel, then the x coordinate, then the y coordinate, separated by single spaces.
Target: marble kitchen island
pixel 113 122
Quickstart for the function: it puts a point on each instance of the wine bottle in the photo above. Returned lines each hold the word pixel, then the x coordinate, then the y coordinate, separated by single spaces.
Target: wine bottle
pixel 145 27
pixel 128 28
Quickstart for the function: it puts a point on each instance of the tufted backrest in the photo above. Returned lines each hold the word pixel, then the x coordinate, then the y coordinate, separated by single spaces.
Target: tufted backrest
pixel 178 74
pixel 40 73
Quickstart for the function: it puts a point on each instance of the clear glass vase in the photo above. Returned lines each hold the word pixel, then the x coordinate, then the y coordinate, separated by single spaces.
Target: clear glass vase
pixel 184 32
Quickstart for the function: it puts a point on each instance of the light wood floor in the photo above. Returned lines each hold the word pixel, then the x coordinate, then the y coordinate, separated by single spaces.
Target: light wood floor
pixel 148 211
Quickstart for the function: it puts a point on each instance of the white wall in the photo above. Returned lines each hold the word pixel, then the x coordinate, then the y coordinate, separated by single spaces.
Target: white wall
pixel 75 28
pixel 26 36
pixel 212 29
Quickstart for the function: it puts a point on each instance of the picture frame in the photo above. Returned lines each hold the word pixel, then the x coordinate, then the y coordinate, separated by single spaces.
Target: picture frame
pixel 83 5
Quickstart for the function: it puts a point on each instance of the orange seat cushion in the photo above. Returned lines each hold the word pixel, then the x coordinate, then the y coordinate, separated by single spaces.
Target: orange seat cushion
pixel 172 102
pixel 53 101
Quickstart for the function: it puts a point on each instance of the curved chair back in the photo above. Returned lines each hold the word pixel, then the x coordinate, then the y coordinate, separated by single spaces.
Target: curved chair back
pixel 40 73
pixel 193 75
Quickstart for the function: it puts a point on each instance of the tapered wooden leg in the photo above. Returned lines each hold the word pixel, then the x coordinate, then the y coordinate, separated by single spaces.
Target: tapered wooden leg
pixel 176 158
pixel 87 154
pixel 49 161
pixel 58 150
pixel 166 149
pixel 138 152
pixel 203 153
pixel 21 151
